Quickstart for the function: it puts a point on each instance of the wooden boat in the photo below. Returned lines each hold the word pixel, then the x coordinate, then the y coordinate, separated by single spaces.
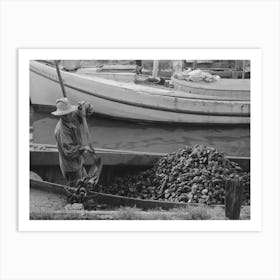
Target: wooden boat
pixel 44 162
pixel 47 155
pixel 108 199
pixel 127 100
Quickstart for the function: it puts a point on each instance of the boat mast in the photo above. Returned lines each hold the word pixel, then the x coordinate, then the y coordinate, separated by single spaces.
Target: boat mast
pixel 194 64
pixel 155 68
pixel 243 69
pixel 235 70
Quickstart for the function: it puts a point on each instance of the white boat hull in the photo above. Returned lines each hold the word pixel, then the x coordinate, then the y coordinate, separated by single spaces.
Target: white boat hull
pixel 133 102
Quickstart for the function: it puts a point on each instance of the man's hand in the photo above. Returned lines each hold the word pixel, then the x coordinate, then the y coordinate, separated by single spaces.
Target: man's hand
pixel 85 109
pixel 86 151
pixel 82 108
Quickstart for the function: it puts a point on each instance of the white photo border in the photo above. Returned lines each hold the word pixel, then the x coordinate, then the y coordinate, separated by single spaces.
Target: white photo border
pixel 255 222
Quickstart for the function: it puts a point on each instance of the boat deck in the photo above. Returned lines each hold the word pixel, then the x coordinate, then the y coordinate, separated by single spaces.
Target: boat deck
pixel 222 85
pixel 224 89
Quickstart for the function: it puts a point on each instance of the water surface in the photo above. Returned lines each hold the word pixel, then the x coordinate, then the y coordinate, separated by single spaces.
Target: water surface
pixel 117 134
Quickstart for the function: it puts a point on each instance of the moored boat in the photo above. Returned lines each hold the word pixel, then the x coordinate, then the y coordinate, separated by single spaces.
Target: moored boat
pixel 108 199
pixel 127 100
pixel 44 161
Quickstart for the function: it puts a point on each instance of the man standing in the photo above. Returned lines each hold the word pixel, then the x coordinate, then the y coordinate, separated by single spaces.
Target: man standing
pixel 139 67
pixel 69 138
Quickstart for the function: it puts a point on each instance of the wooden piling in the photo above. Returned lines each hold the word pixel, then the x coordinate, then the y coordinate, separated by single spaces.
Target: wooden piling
pixel 233 198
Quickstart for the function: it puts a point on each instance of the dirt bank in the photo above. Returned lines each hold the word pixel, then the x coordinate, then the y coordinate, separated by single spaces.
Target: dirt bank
pixel 43 202
pixel 49 206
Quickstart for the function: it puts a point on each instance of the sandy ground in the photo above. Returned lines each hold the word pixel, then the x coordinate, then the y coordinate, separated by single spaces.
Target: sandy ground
pixel 49 206
pixel 42 201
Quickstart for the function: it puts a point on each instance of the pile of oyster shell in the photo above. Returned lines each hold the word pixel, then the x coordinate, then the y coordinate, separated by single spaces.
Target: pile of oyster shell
pixel 193 174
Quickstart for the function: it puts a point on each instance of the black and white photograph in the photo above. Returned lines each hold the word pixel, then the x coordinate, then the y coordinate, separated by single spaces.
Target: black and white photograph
pixel 140 139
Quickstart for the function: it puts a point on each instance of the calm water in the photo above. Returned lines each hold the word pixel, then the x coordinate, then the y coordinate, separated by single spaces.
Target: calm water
pixel 116 134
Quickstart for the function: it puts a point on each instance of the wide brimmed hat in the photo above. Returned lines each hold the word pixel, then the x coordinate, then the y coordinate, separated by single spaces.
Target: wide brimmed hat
pixel 63 107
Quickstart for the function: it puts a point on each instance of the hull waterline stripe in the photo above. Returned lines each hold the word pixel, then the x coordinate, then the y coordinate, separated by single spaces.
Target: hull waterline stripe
pixel 146 106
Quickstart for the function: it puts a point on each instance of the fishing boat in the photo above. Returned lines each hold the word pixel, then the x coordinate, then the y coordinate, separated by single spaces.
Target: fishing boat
pixel 116 95
pixel 44 162
pixel 47 157
pixel 104 198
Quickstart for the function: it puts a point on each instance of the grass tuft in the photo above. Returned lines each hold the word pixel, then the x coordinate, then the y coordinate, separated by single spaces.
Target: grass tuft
pixel 127 213
pixel 199 213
